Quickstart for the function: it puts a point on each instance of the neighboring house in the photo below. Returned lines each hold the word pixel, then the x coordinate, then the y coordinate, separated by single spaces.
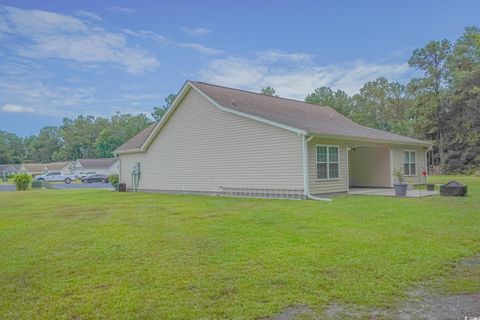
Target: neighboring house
pixel 223 141
pixel 6 170
pixel 106 166
pixel 33 168
pixel 63 166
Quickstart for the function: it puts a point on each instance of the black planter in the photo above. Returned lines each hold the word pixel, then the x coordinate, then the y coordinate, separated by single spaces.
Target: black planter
pixel 430 187
pixel 122 187
pixel 400 189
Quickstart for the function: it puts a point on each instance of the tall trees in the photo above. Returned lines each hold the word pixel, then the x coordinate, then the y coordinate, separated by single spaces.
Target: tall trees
pixel 121 128
pixel 158 112
pixel 383 105
pixel 43 148
pixel 268 91
pixel 338 100
pixel 11 148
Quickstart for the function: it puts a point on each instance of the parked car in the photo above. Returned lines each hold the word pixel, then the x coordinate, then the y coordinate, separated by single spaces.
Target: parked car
pixel 82 175
pixel 96 178
pixel 55 176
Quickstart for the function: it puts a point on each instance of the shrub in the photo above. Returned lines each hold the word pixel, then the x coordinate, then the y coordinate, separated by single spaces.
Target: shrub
pixel 37 184
pixel 22 181
pixel 113 179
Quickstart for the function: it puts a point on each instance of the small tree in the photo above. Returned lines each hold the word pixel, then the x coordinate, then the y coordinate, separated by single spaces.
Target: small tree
pixel 399 175
pixel 22 181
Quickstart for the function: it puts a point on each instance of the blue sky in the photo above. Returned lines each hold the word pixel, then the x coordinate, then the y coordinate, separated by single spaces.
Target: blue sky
pixel 65 58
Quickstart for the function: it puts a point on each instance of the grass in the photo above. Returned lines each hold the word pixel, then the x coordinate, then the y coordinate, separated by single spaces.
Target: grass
pixel 79 254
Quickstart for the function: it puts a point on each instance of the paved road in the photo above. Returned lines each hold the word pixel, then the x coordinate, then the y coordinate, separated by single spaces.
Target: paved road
pixel 94 185
pixel 7 187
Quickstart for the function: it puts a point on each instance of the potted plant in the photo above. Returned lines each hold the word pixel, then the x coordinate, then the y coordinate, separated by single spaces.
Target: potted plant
pixel 401 186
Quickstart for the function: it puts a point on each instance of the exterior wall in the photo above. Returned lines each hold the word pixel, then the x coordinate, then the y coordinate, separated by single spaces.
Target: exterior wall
pixel 317 186
pixel 369 166
pixel 204 149
pixel 397 160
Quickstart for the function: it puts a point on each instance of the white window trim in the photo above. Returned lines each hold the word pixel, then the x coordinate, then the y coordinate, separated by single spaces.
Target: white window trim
pixel 416 163
pixel 328 171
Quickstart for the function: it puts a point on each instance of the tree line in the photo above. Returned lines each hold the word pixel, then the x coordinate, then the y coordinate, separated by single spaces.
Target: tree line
pixel 79 138
pixel 442 105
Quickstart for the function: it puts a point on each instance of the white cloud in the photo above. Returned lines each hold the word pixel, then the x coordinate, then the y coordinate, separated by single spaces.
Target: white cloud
pixel 297 80
pixel 146 34
pixel 16 108
pixel 197 31
pixel 201 49
pixel 121 9
pixel 275 55
pixel 89 15
pixel 52 35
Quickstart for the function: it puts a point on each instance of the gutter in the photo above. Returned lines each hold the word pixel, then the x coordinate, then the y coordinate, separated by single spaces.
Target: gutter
pixel 306 188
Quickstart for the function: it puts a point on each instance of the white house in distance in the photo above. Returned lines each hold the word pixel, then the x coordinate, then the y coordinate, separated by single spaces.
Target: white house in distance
pixel 224 141
pixel 107 166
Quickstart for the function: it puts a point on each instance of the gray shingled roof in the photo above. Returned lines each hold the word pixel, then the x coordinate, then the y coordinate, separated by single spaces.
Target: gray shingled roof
pixel 137 141
pixel 97 163
pixel 311 118
pixel 7 168
pixel 314 119
pixel 34 167
pixel 52 166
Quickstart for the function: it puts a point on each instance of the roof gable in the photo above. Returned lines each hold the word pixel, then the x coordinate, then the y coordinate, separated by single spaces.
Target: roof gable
pixel 293 115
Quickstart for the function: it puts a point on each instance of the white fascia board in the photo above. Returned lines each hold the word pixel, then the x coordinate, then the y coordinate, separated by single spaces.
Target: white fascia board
pixel 247 115
pixel 371 140
pixel 165 117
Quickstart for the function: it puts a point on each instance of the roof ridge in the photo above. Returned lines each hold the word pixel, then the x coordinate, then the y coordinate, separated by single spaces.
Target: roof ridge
pixel 261 94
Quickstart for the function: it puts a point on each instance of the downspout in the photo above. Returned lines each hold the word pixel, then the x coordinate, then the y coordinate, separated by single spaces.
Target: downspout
pixel 306 188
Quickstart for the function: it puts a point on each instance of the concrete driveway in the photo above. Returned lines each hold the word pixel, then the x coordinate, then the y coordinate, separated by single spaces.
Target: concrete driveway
pixel 93 185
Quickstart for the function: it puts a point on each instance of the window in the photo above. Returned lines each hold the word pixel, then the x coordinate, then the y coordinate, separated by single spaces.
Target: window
pixel 327 162
pixel 409 163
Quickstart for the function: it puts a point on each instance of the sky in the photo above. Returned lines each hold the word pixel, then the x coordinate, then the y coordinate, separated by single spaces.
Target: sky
pixel 65 58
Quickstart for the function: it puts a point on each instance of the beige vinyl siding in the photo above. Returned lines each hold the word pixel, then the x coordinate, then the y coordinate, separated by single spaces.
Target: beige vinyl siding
pixel 397 152
pixel 318 186
pixel 369 166
pixel 202 148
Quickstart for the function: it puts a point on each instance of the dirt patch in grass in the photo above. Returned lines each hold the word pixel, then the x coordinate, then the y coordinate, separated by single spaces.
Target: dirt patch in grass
pixel 426 306
pixel 430 301
pixel 297 313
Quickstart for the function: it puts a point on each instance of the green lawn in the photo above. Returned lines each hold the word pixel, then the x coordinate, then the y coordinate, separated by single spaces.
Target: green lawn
pixel 80 254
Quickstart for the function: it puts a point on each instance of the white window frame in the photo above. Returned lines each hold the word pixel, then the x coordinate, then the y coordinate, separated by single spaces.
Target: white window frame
pixel 409 163
pixel 328 162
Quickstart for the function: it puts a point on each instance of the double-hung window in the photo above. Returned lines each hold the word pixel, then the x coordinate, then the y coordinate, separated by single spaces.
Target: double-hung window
pixel 327 162
pixel 409 163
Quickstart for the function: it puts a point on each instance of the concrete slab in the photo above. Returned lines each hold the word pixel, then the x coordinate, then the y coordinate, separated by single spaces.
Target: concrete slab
pixel 387 192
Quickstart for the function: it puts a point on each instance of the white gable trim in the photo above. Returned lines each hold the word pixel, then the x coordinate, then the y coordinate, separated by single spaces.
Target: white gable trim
pixel 183 92
pixel 246 115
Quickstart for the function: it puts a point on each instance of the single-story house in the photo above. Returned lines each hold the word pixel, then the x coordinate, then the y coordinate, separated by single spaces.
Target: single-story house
pixel 63 166
pixel 33 168
pixel 106 166
pixel 6 170
pixel 224 141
